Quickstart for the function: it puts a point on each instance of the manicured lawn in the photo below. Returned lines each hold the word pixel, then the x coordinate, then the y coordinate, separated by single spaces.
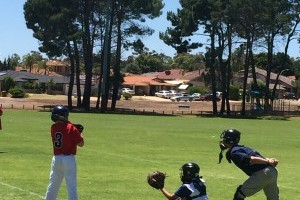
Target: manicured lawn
pixel 121 150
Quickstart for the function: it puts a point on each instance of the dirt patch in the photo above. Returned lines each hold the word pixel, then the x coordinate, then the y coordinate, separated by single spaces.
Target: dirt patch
pixel 136 104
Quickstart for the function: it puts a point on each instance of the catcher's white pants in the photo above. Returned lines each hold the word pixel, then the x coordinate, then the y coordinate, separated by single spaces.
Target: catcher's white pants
pixel 63 166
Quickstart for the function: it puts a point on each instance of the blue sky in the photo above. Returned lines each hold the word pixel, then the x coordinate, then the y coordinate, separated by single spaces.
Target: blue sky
pixel 14 35
pixel 16 38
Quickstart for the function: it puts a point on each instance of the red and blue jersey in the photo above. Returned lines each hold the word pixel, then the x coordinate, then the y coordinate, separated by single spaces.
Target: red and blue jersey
pixel 65 138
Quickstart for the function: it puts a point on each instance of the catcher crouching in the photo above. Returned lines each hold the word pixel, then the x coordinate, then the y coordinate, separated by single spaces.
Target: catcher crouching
pixel 193 186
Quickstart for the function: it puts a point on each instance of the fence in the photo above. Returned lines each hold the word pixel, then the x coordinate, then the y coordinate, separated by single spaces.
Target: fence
pixel 280 107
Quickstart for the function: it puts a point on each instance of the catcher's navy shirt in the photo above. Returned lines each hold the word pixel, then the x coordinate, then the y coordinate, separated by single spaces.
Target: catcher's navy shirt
pixel 195 190
pixel 240 155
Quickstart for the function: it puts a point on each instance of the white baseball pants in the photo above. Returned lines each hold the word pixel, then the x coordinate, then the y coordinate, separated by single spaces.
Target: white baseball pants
pixel 63 166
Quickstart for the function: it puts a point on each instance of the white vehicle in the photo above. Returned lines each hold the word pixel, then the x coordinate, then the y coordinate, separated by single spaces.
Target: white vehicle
pixel 182 97
pixel 127 90
pixel 163 94
pixel 172 93
pixel 196 96
pixel 218 94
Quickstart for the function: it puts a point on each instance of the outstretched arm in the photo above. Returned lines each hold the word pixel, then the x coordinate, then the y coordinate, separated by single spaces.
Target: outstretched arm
pixel 169 195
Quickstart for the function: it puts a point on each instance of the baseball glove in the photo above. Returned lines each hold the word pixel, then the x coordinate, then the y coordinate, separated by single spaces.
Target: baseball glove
pixel 156 179
pixel 79 127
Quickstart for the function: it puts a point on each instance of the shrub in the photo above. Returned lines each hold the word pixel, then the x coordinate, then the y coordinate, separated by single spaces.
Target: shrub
pixel 127 96
pixel 197 89
pixel 8 83
pixel 17 92
pixel 234 93
pixel 27 85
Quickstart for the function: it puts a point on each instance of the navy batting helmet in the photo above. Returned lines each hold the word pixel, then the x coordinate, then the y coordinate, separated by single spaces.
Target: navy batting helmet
pixel 189 171
pixel 60 111
pixel 231 136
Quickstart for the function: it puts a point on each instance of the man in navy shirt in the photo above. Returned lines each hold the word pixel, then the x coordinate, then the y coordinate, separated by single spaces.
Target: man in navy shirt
pixel 193 186
pixel 261 171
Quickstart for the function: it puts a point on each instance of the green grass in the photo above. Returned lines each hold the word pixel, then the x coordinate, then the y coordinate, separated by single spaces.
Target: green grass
pixel 121 150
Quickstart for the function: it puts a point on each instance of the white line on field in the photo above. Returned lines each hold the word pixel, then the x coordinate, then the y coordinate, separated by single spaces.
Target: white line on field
pixel 21 189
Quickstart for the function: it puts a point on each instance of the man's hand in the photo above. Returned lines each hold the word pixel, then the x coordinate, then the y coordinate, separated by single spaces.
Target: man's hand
pixel 272 161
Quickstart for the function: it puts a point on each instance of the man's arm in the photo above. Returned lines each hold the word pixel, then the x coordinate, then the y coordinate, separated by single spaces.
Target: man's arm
pixel 81 144
pixel 169 195
pixel 267 161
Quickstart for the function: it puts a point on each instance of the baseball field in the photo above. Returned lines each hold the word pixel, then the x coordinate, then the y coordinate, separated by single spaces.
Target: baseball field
pixel 120 150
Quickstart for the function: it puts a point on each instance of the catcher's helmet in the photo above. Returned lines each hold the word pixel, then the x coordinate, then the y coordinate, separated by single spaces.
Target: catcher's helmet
pixel 61 111
pixel 189 171
pixel 231 136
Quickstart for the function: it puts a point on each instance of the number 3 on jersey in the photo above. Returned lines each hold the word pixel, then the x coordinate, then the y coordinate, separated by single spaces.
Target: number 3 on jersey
pixel 58 140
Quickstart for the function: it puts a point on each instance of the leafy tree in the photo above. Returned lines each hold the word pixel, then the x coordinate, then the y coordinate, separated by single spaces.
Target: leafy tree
pixel 5 65
pixel 294 16
pixel 147 62
pixel 15 61
pixel 43 65
pixel 238 58
pixel 51 86
pixel 281 61
pixel 207 14
pixel 188 62
pixel 175 37
pixel 56 24
pixel 8 83
pixel 74 28
pixel 132 68
pixel 261 60
pixel 150 62
pixel 276 22
pixel 30 59
pixel 296 70
pixel 130 14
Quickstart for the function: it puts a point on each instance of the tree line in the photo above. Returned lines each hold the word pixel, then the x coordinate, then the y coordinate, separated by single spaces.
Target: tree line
pixel 93 34
pixel 237 26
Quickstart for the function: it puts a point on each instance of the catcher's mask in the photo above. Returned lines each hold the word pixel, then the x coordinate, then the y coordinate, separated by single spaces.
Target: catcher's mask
pixel 229 136
pixel 189 171
pixel 61 111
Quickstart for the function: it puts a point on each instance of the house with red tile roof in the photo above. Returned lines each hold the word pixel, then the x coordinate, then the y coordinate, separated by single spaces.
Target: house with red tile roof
pixel 149 83
pixel 54 68
pixel 195 78
pixel 146 85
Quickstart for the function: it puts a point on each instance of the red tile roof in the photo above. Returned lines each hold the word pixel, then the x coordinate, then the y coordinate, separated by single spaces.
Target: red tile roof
pixel 178 74
pixel 35 70
pixel 139 80
pixel 57 63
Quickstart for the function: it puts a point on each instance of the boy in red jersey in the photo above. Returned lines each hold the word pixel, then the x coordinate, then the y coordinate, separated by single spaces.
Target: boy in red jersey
pixel 65 138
